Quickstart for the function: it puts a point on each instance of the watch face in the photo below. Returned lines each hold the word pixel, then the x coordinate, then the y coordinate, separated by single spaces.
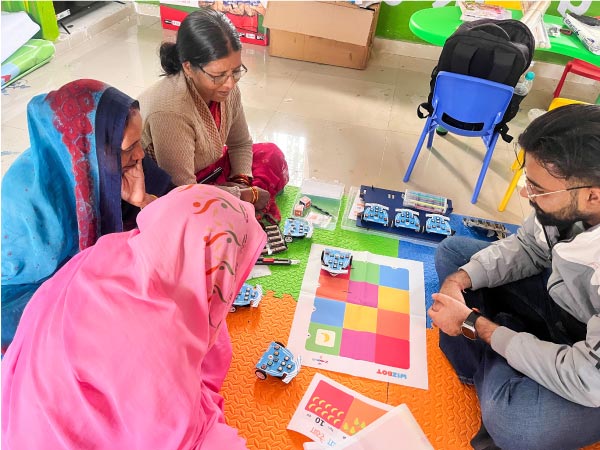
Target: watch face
pixel 468 331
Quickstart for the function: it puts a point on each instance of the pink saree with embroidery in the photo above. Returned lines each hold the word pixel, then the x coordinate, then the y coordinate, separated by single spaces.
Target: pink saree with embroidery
pixel 126 346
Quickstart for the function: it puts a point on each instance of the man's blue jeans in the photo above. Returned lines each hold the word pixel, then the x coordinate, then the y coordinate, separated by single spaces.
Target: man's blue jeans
pixel 517 412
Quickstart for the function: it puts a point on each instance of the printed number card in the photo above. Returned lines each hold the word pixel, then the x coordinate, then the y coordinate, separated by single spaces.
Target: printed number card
pixel 329 412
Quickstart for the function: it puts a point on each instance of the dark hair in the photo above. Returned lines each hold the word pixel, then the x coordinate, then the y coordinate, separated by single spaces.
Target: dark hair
pixel 566 142
pixel 135 106
pixel 204 36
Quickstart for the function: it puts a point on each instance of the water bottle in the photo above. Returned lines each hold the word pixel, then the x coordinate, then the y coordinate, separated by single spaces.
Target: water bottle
pixel 524 85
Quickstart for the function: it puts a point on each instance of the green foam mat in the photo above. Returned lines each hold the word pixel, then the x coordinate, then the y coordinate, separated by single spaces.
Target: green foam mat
pixel 288 279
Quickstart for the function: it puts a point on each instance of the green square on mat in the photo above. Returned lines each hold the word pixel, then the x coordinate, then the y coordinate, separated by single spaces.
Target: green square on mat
pixel 324 338
pixel 364 272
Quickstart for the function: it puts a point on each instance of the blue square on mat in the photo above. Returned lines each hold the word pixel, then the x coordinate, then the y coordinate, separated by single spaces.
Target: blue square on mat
pixel 394 278
pixel 328 312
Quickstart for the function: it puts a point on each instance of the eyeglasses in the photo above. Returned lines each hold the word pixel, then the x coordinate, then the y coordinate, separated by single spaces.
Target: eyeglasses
pixel 219 80
pixel 531 190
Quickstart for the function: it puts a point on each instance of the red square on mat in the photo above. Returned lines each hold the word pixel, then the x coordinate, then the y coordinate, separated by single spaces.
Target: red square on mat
pixel 333 288
pixel 392 352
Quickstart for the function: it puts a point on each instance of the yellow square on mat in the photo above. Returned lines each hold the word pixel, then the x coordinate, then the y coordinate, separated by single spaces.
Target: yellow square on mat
pixel 360 318
pixel 394 299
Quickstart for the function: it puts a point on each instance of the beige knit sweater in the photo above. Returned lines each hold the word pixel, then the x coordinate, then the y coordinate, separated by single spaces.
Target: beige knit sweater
pixel 180 134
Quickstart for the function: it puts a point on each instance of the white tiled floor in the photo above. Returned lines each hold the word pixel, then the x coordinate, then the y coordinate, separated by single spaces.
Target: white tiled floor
pixel 357 127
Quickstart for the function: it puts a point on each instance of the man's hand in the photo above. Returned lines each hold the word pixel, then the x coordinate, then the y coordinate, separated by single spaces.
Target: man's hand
pixel 133 186
pixel 448 314
pixel 454 284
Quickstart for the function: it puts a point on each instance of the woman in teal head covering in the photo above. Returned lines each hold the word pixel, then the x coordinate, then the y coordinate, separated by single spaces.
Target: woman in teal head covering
pixel 83 176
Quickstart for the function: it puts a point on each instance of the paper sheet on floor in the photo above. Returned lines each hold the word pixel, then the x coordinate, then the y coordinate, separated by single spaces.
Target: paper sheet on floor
pixel 335 416
pixel 329 412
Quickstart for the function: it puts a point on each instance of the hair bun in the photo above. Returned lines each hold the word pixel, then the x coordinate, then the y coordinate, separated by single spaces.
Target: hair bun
pixel 169 59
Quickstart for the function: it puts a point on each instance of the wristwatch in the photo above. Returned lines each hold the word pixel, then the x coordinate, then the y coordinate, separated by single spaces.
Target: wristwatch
pixel 468 326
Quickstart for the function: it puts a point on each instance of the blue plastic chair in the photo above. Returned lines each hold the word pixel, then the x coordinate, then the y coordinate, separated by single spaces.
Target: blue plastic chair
pixel 466 106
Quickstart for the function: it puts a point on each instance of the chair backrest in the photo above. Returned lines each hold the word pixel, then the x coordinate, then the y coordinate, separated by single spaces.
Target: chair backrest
pixel 469 106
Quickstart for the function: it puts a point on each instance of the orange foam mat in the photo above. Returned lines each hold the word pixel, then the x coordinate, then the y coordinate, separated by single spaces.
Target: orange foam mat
pixel 447 412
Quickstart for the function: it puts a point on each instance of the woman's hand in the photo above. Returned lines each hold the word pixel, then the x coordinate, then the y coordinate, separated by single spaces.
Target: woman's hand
pixel 133 186
pixel 263 199
pixel 232 184
pixel 261 202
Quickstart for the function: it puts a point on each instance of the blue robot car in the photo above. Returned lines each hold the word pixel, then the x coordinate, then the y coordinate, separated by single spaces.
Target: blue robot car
pixel 248 296
pixel 335 261
pixel 296 228
pixel 278 362
pixel 407 218
pixel 438 224
pixel 376 213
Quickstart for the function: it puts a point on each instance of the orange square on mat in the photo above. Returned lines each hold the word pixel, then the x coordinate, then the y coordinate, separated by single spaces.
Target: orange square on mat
pixel 393 324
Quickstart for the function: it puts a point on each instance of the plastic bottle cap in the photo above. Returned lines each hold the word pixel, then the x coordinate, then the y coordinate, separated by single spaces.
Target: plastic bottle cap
pixel 529 76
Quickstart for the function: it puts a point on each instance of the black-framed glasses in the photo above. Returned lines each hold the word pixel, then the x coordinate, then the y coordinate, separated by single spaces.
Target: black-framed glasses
pixel 531 194
pixel 219 80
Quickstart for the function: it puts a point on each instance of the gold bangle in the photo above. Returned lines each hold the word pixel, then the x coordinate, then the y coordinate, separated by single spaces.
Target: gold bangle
pixel 254 194
pixel 241 179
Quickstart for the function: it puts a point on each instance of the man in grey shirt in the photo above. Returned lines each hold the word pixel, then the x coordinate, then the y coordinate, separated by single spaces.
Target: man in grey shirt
pixel 520 318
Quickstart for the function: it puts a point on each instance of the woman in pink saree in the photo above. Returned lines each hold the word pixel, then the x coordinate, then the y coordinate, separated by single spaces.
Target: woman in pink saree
pixel 126 346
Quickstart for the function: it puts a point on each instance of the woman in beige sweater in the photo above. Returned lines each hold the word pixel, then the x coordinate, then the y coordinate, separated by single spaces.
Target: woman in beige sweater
pixel 194 122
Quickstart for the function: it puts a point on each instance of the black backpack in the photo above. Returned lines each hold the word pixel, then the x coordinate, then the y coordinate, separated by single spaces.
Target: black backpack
pixel 496 50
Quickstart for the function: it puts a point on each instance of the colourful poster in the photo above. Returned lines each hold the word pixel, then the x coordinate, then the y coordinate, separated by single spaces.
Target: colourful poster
pixel 369 322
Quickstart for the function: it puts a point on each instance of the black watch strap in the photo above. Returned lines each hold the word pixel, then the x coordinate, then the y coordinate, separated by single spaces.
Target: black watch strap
pixel 468 326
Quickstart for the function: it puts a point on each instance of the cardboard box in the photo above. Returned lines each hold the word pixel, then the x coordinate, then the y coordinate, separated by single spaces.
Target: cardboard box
pixel 335 33
pixel 247 16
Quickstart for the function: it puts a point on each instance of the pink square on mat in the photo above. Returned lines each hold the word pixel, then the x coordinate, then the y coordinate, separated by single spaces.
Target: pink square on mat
pixel 361 293
pixel 358 345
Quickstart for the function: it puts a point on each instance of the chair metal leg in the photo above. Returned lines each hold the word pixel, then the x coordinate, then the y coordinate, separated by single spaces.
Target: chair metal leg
pixel 415 155
pixel 484 166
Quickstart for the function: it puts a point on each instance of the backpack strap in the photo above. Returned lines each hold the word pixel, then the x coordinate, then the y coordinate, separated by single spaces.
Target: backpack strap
pixel 428 107
pixel 502 66
pixel 502 128
pixel 489 26
pixel 461 58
